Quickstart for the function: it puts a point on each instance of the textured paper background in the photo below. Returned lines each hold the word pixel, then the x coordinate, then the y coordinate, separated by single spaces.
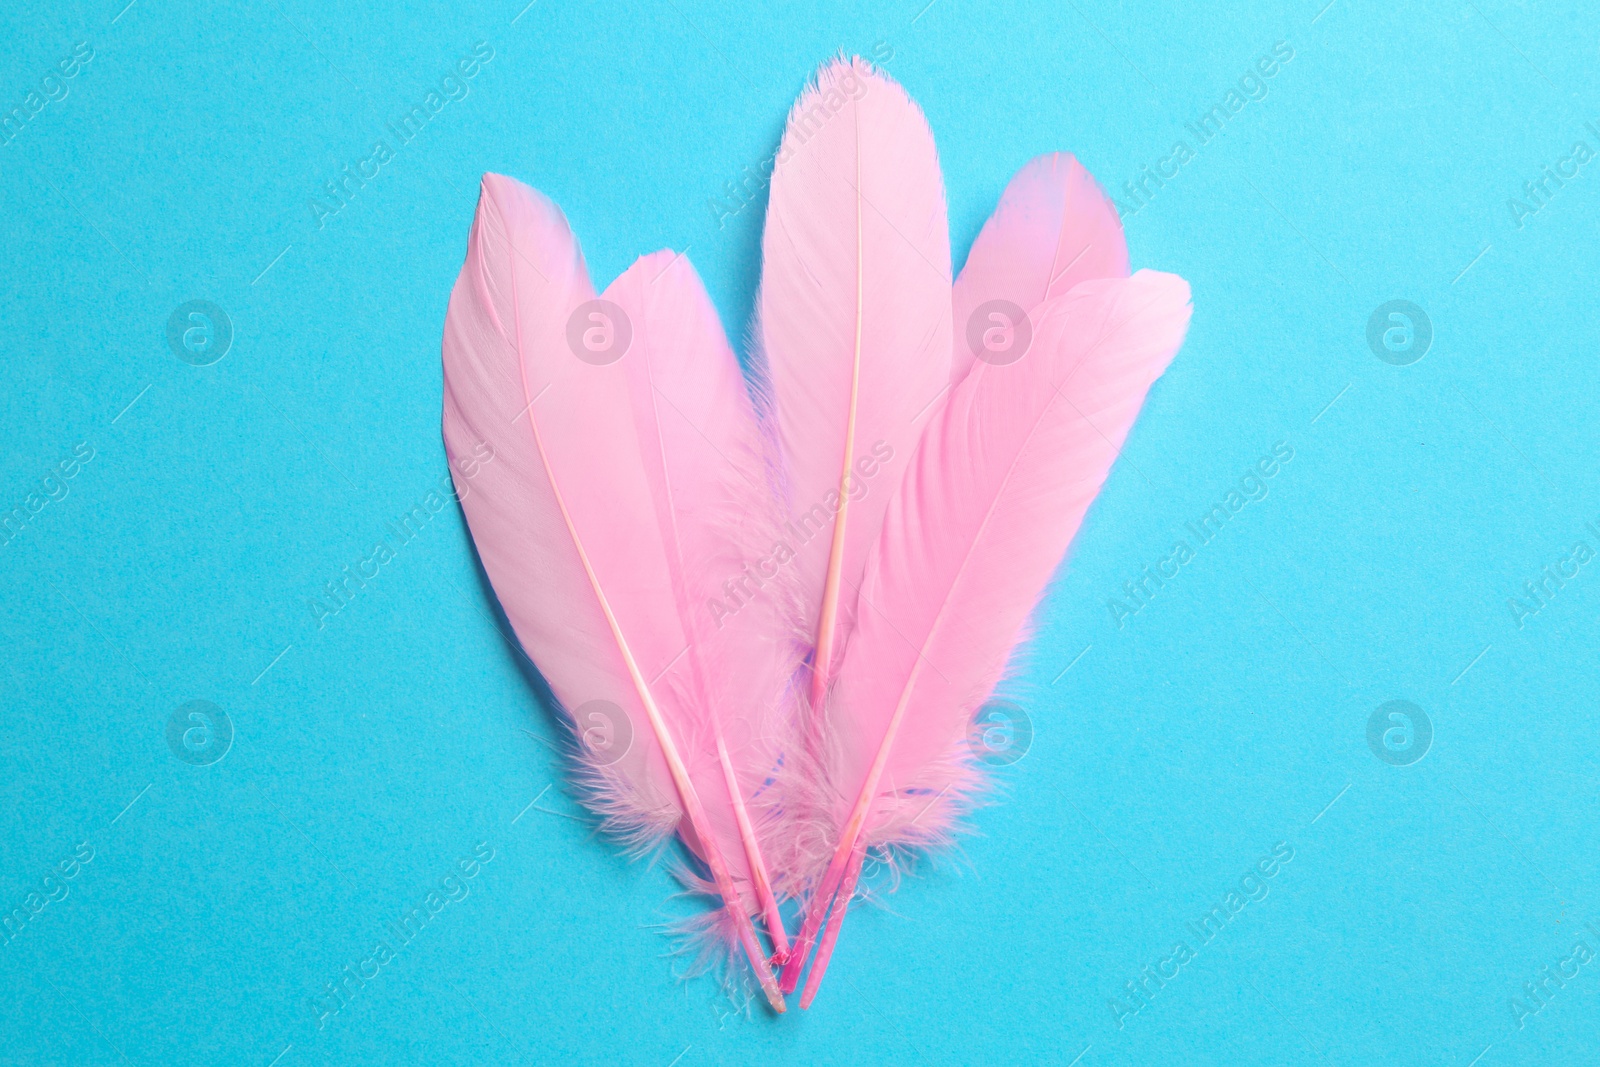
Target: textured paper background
pixel 1228 715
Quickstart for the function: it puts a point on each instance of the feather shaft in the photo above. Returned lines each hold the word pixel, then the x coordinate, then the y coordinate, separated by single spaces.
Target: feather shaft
pixel 854 314
pixel 830 934
pixel 588 597
pixel 658 724
pixel 828 619
pixel 1027 445
pixel 770 915
pixel 709 503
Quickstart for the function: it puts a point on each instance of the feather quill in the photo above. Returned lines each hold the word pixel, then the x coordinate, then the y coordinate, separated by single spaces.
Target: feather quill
pixel 1053 228
pixel 994 495
pixel 565 521
pixel 854 324
pixel 705 458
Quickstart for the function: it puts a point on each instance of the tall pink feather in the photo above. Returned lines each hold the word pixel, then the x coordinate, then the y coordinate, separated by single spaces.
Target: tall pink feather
pixel 854 314
pixel 705 458
pixel 564 521
pixel 996 492
pixel 1053 228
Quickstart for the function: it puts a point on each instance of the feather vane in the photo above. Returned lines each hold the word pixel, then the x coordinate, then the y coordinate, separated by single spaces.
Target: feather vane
pixel 591 597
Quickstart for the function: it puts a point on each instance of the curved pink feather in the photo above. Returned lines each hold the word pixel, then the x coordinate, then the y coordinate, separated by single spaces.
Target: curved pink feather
pixel 704 456
pixel 563 517
pixel 854 313
pixel 995 494
pixel 523 277
pixel 1053 228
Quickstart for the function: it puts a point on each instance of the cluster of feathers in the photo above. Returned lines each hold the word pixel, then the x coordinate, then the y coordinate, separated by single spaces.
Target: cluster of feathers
pixel 772 607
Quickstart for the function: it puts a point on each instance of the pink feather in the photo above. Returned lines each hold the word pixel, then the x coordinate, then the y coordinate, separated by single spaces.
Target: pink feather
pixel 996 492
pixel 705 457
pixel 632 531
pixel 568 526
pixel 1053 228
pixel 854 324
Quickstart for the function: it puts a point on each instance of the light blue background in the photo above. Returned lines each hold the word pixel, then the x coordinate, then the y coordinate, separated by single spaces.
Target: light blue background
pixel 1223 718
